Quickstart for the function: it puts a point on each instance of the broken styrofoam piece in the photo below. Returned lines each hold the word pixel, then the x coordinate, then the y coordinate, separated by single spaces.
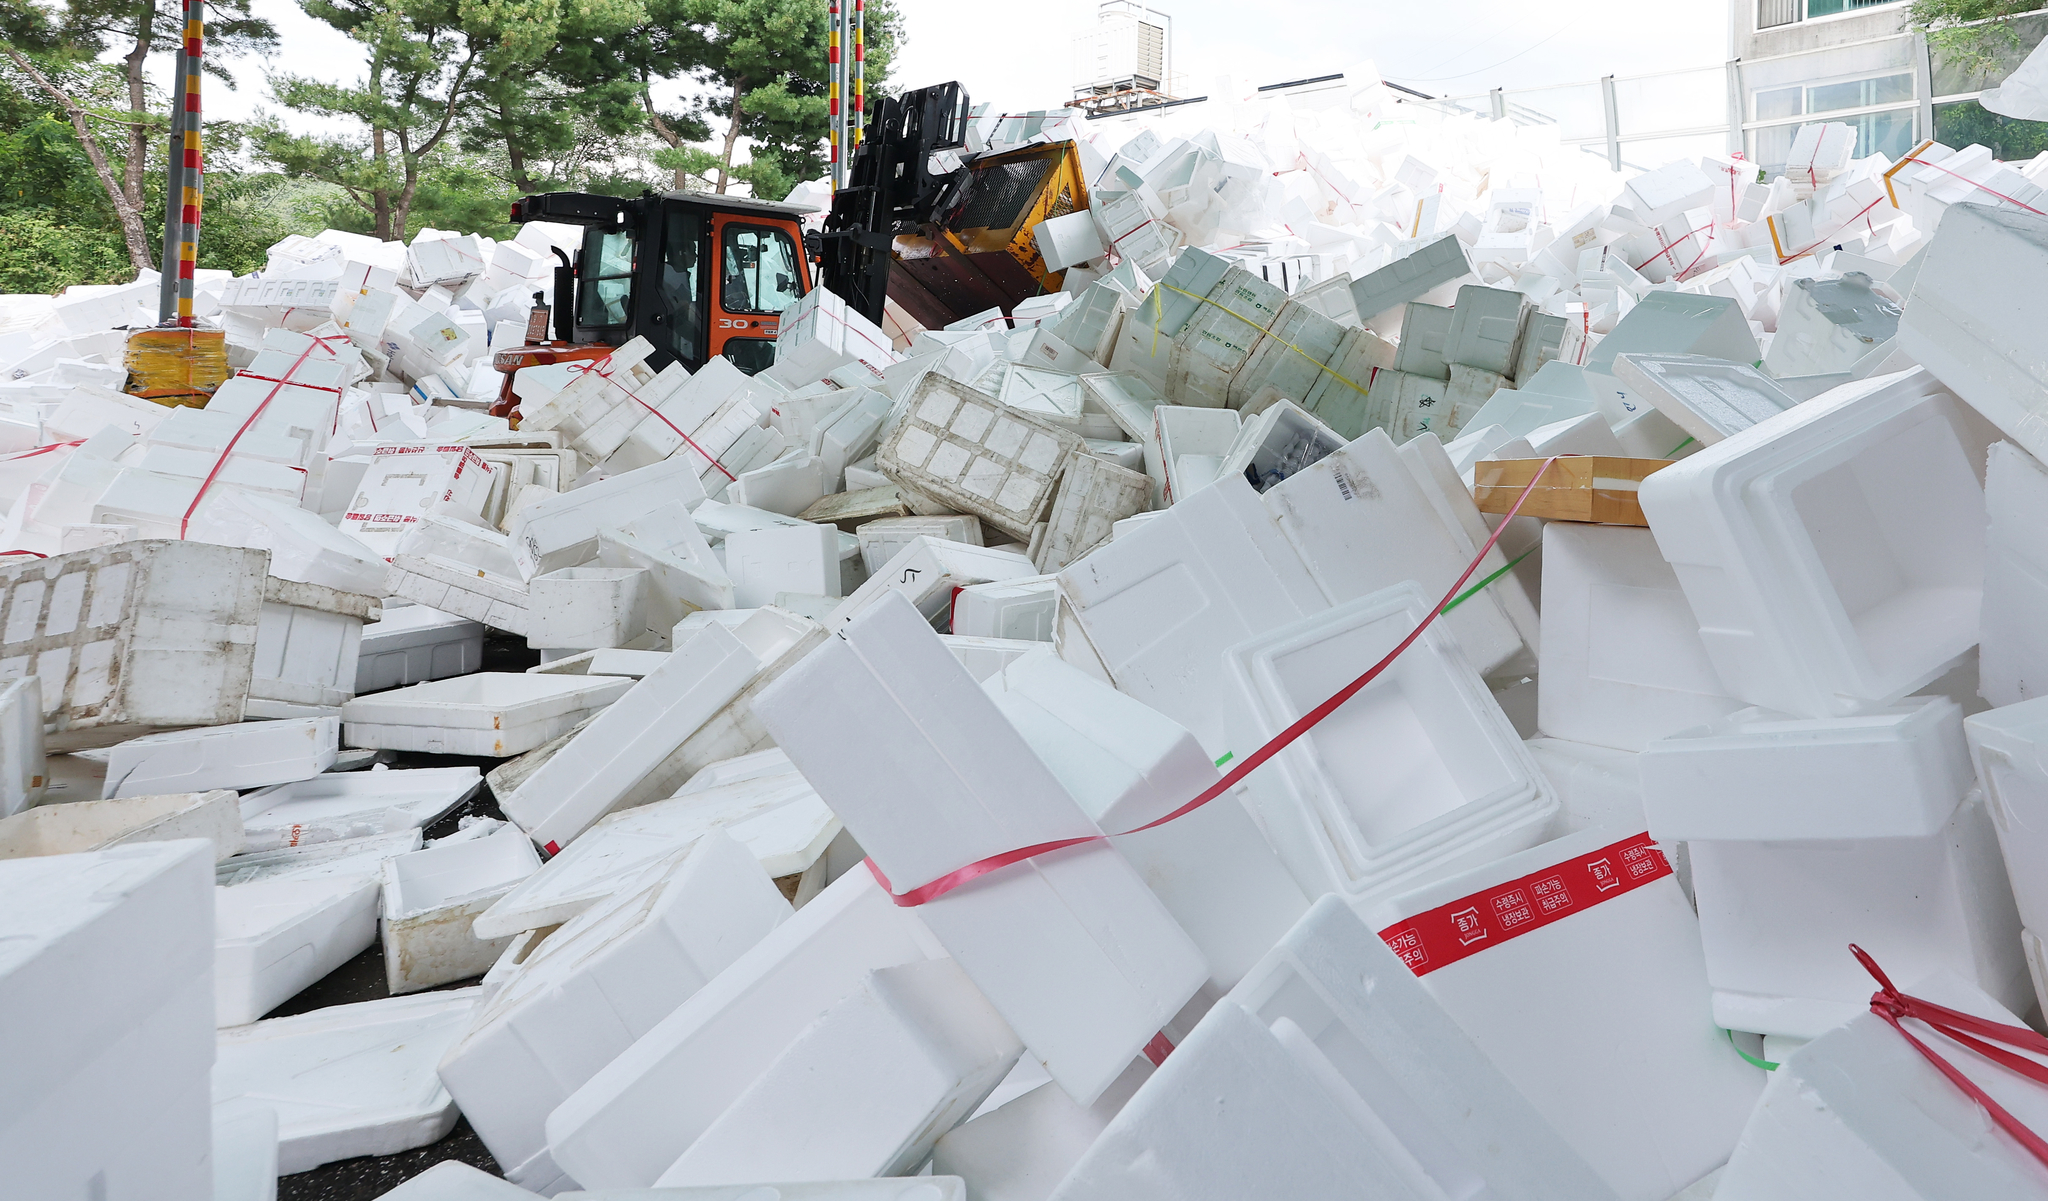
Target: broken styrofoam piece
pixel 459 589
pixel 1622 660
pixel 1341 816
pixel 1834 555
pixel 1330 1071
pixel 2006 749
pixel 488 713
pixel 596 985
pixel 70 828
pixel 636 1115
pixel 584 608
pixel 342 857
pixel 1126 766
pixel 110 633
pixel 930 572
pixel 22 773
pixel 251 754
pixel 432 896
pixel 967 450
pixel 2013 644
pixel 1021 1149
pixel 866 1089
pixel 348 1080
pixel 1830 325
pixel 107 1086
pixel 1710 399
pixel 274 938
pixel 347 805
pixel 1122 960
pixel 307 646
pixel 413 644
pixel 1020 609
pixel 1896 772
pixel 1551 957
pixel 1774 916
pixel 1860 1113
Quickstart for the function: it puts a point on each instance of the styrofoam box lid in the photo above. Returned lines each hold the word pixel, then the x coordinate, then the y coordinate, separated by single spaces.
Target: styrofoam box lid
pixel 1757 776
pixel 1422 755
pixel 486 700
pixel 892 1188
pixel 342 857
pixel 772 762
pixel 1709 398
pixel 416 796
pixel 442 876
pixel 779 818
pixel 250 913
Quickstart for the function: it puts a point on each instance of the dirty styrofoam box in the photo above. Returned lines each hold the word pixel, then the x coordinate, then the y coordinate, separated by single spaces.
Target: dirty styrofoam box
pixel 881 539
pixel 23 774
pixel 597 984
pixel 250 754
pixel 637 1114
pixel 967 449
pixel 308 643
pixel 106 1086
pixel 431 897
pixel 1710 399
pixel 273 938
pixel 1561 955
pixel 584 608
pixel 1418 776
pixel 348 1080
pixel 1330 1071
pixel 340 857
pixel 487 713
pixel 133 638
pixel 1833 555
pixel 930 573
pixel 72 827
pixel 345 805
pixel 561 531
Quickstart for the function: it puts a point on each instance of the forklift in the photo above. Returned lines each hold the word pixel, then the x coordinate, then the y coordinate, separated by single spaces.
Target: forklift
pixel 701 275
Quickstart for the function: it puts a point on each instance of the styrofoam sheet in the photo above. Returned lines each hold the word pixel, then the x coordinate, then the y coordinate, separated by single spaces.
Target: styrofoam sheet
pixel 244 755
pixel 346 805
pixel 488 713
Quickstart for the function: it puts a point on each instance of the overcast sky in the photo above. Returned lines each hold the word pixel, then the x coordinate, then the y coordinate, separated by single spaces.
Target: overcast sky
pixel 1020 56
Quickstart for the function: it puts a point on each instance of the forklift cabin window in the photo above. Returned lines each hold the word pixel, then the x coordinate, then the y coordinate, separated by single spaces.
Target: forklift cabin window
pixel 760 270
pixel 681 322
pixel 606 296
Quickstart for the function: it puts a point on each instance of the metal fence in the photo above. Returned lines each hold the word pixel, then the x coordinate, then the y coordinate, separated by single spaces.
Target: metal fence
pixel 1629 120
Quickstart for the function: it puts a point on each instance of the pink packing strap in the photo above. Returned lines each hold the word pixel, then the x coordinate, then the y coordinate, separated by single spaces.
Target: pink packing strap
pixel 1973 183
pixel 276 386
pixel 1666 248
pixel 40 450
pixel 851 328
pixel 1830 237
pixel 1280 742
pixel 603 369
pixel 1894 1007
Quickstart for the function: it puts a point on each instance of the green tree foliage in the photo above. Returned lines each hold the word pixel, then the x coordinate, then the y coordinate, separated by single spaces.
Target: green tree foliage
pixel 1975 36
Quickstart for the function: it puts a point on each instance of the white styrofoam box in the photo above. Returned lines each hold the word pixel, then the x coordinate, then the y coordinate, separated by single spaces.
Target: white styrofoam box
pixel 22 773
pixel 459 589
pixel 2013 646
pixel 849 435
pixel 1127 765
pixel 76 826
pixel 1622 660
pixel 1068 241
pixel 1595 785
pixel 1830 325
pixel 597 770
pixel 866 1090
pixel 107 994
pixel 584 608
pixel 1431 465
pixel 1710 399
pixel 340 857
pixel 1330 1072
pixel 1094 494
pixel 87 410
pixel 794 558
pixel 308 640
pixel 1555 392
pixel 780 819
pixel 487 713
pixel 824 316
pixel 788 485
pixel 348 1080
pixel 562 531
pixel 1188 438
pixel 2005 747
pixel 929 573
pixel 273 938
pixel 1834 555
pixel 1485 329
pixel 1018 1147
pixel 1859 1114
pixel 1557 956
pixel 629 1122
pixel 1970 305
pixel 453 1180
pixel 1211 571
pixel 684 575
pixel 598 983
pixel 133 638
pixel 1422 270
pixel 1775 916
pixel 414 644
pixel 882 538
pixel 984 657
pixel 887 1188
pixel 244 1152
pixel 342 805
pixel 406 481
pixel 432 895
pixel 610 661
pixel 251 754
pixel 1667 323
pixel 1341 814
pixel 965 449
pixel 910 735
pixel 1020 609
pixel 1896 772
pixel 1278 442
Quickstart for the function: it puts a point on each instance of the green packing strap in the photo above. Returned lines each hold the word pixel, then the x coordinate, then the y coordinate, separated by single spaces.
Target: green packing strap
pixel 1469 593
pixel 1227 757
pixel 1765 1064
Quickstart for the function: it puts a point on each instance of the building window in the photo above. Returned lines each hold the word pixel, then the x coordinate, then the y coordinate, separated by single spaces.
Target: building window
pixel 1773 13
pixel 1777 113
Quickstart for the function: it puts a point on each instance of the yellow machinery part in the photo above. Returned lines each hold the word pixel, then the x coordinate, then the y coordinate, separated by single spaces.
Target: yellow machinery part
pixel 176 366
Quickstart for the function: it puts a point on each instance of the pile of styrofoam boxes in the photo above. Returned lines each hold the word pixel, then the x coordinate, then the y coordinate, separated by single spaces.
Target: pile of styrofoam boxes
pixel 1749 676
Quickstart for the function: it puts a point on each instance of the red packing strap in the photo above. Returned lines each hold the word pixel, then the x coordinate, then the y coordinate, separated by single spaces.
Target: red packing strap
pixel 1838 229
pixel 1280 742
pixel 603 368
pixel 185 522
pixel 40 450
pixel 1662 250
pixel 1894 1006
pixel 1973 183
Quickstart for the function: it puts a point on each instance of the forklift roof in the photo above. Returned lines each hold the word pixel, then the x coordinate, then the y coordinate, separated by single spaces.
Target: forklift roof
pixel 715 200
